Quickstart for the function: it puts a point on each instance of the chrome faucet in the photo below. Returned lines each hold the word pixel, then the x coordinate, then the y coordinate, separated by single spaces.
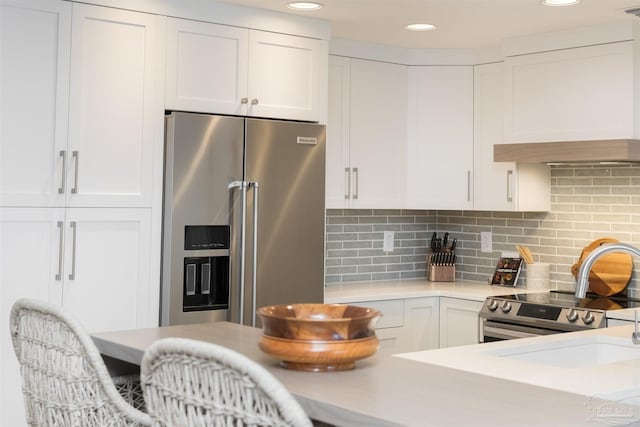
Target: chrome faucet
pixel 585 268
pixel 587 263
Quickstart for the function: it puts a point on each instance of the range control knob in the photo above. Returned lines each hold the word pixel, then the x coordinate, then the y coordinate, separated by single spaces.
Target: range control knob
pixel 588 318
pixel 506 307
pixel 493 305
pixel 572 316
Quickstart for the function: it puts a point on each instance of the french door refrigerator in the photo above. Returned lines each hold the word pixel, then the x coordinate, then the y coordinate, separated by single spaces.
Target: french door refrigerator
pixel 243 219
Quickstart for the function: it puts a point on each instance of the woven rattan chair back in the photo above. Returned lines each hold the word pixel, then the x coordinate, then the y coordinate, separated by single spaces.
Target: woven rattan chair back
pixel 196 384
pixel 64 379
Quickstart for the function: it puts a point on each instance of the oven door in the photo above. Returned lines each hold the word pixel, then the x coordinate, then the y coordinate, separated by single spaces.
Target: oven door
pixel 499 331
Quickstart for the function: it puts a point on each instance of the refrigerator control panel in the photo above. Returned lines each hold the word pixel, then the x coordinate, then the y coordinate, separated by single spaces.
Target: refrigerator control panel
pixel 199 237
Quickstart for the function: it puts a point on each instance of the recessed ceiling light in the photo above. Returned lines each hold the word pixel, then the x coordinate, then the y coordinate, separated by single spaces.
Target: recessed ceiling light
pixel 304 5
pixel 421 27
pixel 560 2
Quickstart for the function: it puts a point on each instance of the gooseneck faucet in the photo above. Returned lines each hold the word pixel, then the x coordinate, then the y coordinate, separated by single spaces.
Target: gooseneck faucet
pixel 589 260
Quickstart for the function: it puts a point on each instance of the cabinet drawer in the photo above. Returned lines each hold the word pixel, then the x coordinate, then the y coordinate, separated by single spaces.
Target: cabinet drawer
pixel 392 312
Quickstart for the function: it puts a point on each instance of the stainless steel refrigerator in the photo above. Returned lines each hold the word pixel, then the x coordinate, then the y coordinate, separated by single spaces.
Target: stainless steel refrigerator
pixel 243 220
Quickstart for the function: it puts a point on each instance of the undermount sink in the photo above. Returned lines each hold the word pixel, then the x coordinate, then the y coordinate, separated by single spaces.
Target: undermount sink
pixel 580 352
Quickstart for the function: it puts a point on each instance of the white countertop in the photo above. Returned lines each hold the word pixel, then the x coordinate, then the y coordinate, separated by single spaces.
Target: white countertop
pixel 623 314
pixel 607 378
pixel 414 288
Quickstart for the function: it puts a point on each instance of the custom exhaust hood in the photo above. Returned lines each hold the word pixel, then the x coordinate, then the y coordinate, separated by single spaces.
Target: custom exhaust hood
pixel 593 151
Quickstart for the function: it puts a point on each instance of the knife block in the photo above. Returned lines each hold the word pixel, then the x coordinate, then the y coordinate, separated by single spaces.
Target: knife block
pixel 442 273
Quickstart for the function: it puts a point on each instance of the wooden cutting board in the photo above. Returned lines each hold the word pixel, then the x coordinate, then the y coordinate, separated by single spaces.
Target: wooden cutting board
pixel 611 273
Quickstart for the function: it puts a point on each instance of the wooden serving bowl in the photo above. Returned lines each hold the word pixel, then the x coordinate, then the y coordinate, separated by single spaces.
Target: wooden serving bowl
pixel 318 337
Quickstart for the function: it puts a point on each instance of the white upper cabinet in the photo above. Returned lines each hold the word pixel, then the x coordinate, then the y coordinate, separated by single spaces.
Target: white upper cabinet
pixel 575 94
pixel 112 115
pixel 378 134
pixel 337 146
pixel 440 138
pixel 229 70
pixel 206 67
pixel 286 75
pixel 34 93
pixel 366 134
pixel 501 186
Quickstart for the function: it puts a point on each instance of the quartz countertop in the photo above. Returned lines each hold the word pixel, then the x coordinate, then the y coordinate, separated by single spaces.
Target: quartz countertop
pixel 414 288
pixel 523 360
pixel 623 314
pixel 386 390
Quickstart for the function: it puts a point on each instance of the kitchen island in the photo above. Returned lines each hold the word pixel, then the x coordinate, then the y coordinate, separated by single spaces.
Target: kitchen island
pixel 386 390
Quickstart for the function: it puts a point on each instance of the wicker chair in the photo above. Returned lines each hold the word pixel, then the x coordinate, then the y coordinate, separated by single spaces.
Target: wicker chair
pixel 64 380
pixel 196 384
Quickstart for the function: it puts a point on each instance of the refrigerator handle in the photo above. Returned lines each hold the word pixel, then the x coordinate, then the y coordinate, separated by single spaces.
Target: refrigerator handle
pixel 243 230
pixel 254 269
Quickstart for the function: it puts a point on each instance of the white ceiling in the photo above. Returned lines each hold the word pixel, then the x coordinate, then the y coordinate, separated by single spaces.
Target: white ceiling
pixel 461 23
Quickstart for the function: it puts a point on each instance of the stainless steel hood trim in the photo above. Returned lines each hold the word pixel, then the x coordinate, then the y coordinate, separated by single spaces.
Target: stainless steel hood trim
pixel 605 150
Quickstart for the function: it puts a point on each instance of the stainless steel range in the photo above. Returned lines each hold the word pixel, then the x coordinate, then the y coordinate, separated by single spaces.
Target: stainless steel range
pixel 526 315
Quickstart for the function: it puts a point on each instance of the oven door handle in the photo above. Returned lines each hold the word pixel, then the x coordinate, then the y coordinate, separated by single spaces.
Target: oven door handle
pixel 505 331
pixel 506 334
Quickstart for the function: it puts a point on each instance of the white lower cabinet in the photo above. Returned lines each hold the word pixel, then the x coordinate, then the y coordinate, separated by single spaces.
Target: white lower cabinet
pixel 406 324
pixel 107 268
pixel 421 324
pixel 95 263
pixel 459 322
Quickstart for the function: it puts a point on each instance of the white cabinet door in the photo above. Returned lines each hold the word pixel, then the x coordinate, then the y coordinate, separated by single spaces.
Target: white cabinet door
pixel 285 76
pixel 459 322
pixel 406 325
pixel 34 90
pixel 337 146
pixel 571 95
pixel 206 67
pixel 440 138
pixel 112 112
pixel 229 70
pixel 378 134
pixel 107 267
pixel 501 186
pixel 30 260
pixel 421 322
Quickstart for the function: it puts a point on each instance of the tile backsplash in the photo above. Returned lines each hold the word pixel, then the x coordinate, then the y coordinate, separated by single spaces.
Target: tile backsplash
pixel 588 202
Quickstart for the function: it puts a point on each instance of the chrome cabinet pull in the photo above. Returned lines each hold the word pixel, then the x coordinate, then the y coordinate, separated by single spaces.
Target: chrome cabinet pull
pixel 60 249
pixel 468 186
pixel 254 101
pixel 63 181
pixel 347 183
pixel 76 158
pixel 74 227
pixel 356 177
pixel 254 276
pixel 509 179
pixel 244 101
